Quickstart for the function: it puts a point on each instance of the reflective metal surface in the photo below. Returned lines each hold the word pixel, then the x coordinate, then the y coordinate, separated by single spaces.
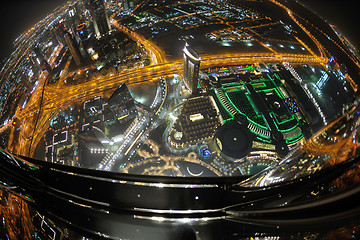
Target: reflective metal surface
pixel 63 202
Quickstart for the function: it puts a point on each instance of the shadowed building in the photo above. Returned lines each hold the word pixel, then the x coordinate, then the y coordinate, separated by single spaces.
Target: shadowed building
pixel 91 150
pixel 120 106
pixel 127 4
pixel 100 17
pixel 74 49
pixel 191 68
pixel 40 60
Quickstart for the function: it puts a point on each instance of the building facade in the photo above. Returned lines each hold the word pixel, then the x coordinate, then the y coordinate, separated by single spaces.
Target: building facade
pixel 74 49
pixel 100 17
pixel 191 68
pixel 127 4
pixel 40 61
pixel 120 106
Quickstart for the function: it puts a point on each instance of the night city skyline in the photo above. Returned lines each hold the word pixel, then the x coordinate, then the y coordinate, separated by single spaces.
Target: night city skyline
pixel 160 119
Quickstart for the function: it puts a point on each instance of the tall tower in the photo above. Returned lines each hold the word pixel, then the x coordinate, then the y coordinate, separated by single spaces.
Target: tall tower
pixel 191 68
pixel 127 4
pixel 40 60
pixel 74 49
pixel 100 17
pixel 59 33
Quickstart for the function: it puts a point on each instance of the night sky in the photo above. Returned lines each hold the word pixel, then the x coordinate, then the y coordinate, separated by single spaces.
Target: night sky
pixel 18 16
pixel 344 14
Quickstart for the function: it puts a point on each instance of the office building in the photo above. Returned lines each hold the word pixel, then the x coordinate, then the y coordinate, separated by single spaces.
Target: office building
pixel 127 4
pixel 191 68
pixel 100 17
pixel 40 61
pixel 120 106
pixel 74 49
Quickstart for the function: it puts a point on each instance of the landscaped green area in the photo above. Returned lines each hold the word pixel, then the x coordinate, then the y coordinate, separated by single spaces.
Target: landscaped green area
pixel 233 97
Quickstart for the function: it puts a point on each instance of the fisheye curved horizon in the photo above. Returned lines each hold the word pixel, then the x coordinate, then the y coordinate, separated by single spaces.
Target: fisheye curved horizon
pixel 180 119
pixel 183 89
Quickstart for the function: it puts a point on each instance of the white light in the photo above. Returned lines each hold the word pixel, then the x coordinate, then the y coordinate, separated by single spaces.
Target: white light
pixel 159 185
pixel 159 219
pixel 187 53
pixel 117 139
pixel 185 220
pixel 226 44
pixel 196 117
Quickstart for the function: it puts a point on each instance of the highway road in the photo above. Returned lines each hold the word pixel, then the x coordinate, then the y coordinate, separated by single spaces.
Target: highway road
pixel 49 99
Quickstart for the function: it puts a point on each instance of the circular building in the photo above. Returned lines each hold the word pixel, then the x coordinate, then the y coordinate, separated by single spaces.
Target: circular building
pixel 234 140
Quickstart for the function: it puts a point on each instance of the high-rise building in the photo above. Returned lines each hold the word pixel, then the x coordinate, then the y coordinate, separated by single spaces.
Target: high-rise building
pixel 40 61
pixel 191 68
pixel 74 49
pixel 59 33
pixel 127 4
pixel 121 106
pixel 100 17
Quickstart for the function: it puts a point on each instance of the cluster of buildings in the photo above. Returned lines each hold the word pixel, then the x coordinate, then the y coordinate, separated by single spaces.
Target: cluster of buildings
pixel 83 135
pixel 258 111
pixel 235 118
pixel 257 105
pixel 72 45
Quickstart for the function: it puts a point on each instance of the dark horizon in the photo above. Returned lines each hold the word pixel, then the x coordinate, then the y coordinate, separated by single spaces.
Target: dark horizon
pixel 18 16
pixel 344 16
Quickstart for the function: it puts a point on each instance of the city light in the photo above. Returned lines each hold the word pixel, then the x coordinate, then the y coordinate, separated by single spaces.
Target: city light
pixel 129 87
pixel 160 118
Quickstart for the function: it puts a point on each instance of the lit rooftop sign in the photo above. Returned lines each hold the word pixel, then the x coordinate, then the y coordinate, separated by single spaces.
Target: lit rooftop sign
pixel 196 117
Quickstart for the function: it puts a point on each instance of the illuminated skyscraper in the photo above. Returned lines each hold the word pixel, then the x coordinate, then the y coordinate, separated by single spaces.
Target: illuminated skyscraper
pixel 40 61
pixel 74 49
pixel 100 17
pixel 191 68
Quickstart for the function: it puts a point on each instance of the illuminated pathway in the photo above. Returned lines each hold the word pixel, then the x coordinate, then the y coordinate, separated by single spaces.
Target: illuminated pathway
pixel 321 48
pixel 170 164
pixel 55 98
pixel 291 14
